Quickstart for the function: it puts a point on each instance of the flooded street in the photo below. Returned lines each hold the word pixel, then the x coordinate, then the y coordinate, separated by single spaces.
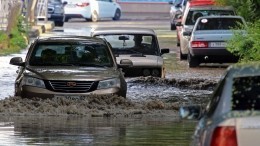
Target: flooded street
pixel 148 116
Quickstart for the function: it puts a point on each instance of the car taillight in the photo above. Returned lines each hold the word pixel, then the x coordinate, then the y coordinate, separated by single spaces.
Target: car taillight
pixel 224 136
pixel 199 44
pixel 82 4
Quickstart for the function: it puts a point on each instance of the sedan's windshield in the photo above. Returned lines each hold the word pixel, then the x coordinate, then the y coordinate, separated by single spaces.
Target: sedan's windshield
pixel 71 54
pixel 132 44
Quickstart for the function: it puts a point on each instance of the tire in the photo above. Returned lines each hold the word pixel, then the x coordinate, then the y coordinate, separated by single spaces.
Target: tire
pixel 117 15
pixel 66 19
pixel 59 23
pixel 94 17
pixel 173 27
pixel 193 61
pixel 182 56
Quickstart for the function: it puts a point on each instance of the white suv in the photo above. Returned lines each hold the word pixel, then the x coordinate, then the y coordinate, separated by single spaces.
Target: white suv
pixel 92 10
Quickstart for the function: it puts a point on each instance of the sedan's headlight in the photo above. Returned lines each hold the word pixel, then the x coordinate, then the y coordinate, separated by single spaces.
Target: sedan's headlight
pixel 29 81
pixel 110 83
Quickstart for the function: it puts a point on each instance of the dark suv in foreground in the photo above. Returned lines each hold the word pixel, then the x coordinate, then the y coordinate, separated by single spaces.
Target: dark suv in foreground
pixel 56 12
pixel 69 67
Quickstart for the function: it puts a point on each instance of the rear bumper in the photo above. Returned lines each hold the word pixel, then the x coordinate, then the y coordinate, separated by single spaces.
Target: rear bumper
pixel 213 55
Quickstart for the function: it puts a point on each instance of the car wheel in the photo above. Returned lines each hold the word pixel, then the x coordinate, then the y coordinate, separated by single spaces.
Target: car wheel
pixel 66 19
pixel 59 23
pixel 182 56
pixel 117 15
pixel 173 27
pixel 94 17
pixel 193 61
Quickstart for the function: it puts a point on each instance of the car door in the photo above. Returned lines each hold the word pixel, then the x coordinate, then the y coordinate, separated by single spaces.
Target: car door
pixel 106 8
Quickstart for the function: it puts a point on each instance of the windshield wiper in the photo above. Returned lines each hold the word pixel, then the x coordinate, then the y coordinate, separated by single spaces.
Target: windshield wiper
pixel 91 65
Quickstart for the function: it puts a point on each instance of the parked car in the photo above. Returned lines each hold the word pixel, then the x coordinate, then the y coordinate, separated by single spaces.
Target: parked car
pixel 232 117
pixel 69 67
pixel 140 45
pixel 177 7
pixel 208 39
pixel 92 10
pixel 56 12
pixel 193 11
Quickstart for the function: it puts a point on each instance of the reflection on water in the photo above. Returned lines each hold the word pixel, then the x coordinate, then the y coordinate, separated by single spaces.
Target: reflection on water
pixel 94 131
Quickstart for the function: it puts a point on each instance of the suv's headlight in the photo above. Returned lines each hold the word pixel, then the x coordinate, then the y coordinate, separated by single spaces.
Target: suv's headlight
pixel 29 81
pixel 110 83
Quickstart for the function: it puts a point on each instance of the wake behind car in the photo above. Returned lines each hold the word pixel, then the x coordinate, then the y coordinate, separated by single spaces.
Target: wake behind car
pixel 232 116
pixel 140 45
pixel 69 67
pixel 208 40
pixel 92 10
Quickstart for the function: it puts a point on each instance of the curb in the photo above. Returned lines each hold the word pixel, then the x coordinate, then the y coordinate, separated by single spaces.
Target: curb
pixel 40 28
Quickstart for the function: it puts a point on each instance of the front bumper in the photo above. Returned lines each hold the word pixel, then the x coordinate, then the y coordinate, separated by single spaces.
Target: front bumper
pixel 56 17
pixel 32 92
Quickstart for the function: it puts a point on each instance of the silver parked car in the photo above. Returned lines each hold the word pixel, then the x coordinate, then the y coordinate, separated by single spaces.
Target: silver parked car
pixel 208 40
pixel 232 117
pixel 140 45
pixel 177 7
pixel 190 15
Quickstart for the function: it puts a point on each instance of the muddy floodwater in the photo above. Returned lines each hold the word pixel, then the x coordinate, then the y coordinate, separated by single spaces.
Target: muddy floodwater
pixel 64 130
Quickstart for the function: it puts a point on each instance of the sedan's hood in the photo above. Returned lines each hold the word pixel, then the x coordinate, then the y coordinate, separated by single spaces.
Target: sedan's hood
pixel 145 60
pixel 72 73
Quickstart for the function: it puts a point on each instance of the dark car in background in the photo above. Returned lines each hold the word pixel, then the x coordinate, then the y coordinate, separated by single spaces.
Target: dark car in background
pixel 69 67
pixel 232 116
pixel 56 12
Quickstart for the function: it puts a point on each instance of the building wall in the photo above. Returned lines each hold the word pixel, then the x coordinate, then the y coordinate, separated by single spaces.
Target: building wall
pixel 145 6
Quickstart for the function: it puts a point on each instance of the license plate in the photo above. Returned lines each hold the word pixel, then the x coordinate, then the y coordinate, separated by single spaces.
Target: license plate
pixel 71 97
pixel 48 15
pixel 218 44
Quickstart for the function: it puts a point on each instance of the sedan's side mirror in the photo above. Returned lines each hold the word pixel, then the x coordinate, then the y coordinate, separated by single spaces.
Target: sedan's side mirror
pixel 18 61
pixel 191 112
pixel 165 50
pixel 178 24
pixel 186 33
pixel 125 63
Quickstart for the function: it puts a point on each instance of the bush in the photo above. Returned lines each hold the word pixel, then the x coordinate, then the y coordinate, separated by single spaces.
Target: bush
pixel 247 47
pixel 17 39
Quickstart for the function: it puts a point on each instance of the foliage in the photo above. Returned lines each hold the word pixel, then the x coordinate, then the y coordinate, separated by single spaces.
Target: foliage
pixel 247 46
pixel 15 41
pixel 249 9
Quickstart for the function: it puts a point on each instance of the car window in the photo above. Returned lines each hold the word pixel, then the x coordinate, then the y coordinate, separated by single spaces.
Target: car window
pixel 219 23
pixel 193 15
pixel 132 44
pixel 74 54
pixel 246 93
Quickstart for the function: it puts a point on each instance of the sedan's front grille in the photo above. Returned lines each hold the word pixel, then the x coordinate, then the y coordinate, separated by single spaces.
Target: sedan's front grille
pixel 72 86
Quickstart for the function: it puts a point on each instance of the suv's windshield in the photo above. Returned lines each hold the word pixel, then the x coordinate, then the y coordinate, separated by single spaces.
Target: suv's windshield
pixel 132 44
pixel 71 54
pixel 246 93
pixel 193 15
pixel 219 24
